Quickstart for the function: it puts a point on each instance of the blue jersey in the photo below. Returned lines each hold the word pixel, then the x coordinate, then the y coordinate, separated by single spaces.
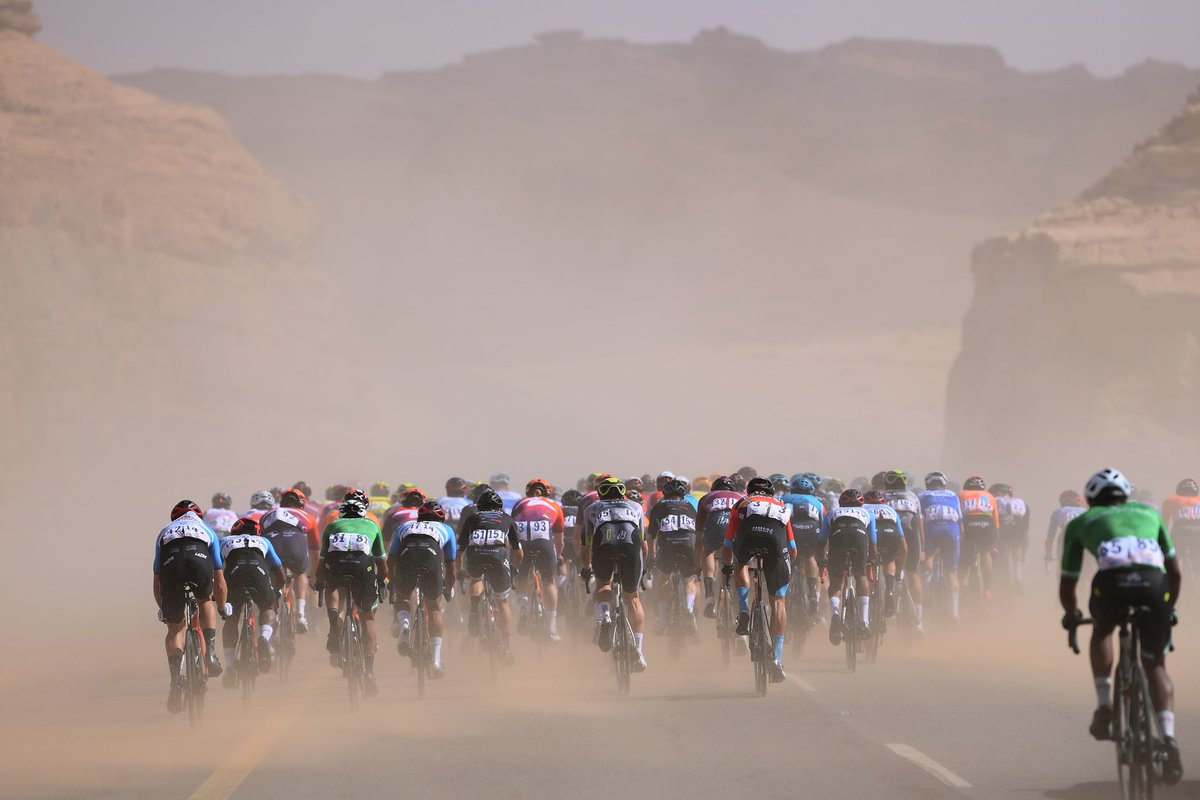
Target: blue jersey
pixel 510 499
pixel 440 532
pixel 191 528
pixel 941 511
pixel 846 517
pixel 259 544
pixel 886 518
pixel 807 512
pixel 695 501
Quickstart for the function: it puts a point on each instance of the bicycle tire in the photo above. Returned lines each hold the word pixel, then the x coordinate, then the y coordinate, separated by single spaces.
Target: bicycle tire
pixel 725 625
pixel 194 676
pixel 419 643
pixel 1122 737
pixel 850 627
pixel 350 665
pixel 1145 736
pixel 675 612
pixel 760 644
pixel 622 639
pixel 287 634
pixel 247 655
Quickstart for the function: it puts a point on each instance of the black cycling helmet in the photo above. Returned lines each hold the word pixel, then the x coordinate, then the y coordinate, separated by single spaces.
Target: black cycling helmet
pixel 896 480
pixel 477 490
pixel 675 489
pixel 879 480
pixel 936 480
pixel 354 504
pixel 779 482
pixel 634 495
pixel 611 488
pixel 739 482
pixel 246 526
pixel 183 507
pixel 222 500
pixel 456 487
pixel 570 497
pixel 489 500
pixel 974 484
pixel 748 473
pixel 850 497
pixel 723 484
pixel 760 486
pixel 1001 490
pixel 1187 488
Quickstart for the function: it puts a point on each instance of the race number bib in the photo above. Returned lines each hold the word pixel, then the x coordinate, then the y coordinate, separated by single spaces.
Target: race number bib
pixel 488 537
pixel 906 505
pixel 349 543
pixel 762 508
pixel 184 529
pixel 976 505
pixel 1129 551
pixel 534 529
pixel 1189 513
pixel 941 513
pixel 673 523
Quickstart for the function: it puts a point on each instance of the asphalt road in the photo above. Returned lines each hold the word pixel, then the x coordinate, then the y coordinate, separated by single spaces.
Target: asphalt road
pixel 998 710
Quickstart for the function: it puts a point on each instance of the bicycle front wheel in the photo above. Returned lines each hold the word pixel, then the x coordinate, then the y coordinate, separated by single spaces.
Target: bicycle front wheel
pixel 760 644
pixel 352 659
pixel 419 656
pixel 850 630
pixel 1142 738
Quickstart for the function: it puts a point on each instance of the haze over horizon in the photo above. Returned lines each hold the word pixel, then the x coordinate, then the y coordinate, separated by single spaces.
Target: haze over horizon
pixel 375 36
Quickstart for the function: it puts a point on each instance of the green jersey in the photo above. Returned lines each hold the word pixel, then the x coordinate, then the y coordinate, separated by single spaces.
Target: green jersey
pixel 1128 535
pixel 352 535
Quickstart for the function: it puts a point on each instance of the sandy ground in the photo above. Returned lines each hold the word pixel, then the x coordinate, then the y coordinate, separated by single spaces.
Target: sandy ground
pixel 1002 706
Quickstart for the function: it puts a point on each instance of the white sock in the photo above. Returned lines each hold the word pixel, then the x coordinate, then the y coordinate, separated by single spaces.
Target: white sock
pixel 864 603
pixel 691 601
pixel 524 602
pixel 402 616
pixel 637 642
pixel 554 622
pixel 602 610
pixel 561 580
pixel 229 654
pixel 1104 691
pixel 302 603
pixel 954 604
pixel 1166 721
pixel 835 604
pixel 267 631
pixel 917 606
pixel 436 641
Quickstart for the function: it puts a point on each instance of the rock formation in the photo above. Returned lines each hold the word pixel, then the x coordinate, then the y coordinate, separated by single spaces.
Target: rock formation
pixel 1082 344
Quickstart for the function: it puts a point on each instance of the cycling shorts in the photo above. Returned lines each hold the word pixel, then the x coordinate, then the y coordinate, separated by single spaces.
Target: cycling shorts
pixel 419 561
pixel 606 556
pixel 359 570
pixel 807 539
pixel 888 543
pixel 945 541
pixel 676 554
pixel 292 548
pixel 1114 590
pixel 776 564
pixel 848 548
pixel 492 563
pixel 912 539
pixel 249 574
pixel 1015 535
pixel 978 536
pixel 714 530
pixel 539 553
pixel 183 564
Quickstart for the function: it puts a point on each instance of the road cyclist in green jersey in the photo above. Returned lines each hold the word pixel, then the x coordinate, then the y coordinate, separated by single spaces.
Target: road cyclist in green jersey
pixel 1137 567
pixel 352 551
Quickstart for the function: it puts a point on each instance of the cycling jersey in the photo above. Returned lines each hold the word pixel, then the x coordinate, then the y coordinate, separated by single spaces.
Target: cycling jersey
pixel 253 514
pixel 396 516
pixel 849 519
pixel 908 507
pixel 351 536
pixel 538 518
pixel 453 506
pixel 889 530
pixel 1059 519
pixel 613 529
pixel 484 538
pixel 419 549
pixel 220 520
pixel 763 524
pixel 185 551
pixel 941 512
pixel 1130 535
pixel 439 533
pixel 1014 517
pixel 672 519
pixel 509 498
pixel 712 516
pixel 293 533
pixel 807 515
pixel 849 531
pixel 1182 516
pixel 977 504
pixel 256 548
pixel 189 530
pixel 378 505
pixel 247 561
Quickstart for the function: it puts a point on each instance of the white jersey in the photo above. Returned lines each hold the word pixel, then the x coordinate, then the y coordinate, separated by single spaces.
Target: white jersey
pixel 221 519
pixel 453 506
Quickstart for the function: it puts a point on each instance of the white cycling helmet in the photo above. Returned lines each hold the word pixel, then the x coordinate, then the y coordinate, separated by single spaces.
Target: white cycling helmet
pixel 1107 481
pixel 936 478
pixel 262 501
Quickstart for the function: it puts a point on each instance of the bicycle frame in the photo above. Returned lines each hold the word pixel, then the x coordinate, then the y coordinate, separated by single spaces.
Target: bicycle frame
pixel 246 664
pixel 622 649
pixel 760 632
pixel 195 666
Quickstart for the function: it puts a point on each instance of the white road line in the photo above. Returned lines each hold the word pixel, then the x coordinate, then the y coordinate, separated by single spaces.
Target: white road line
pixel 803 684
pixel 929 765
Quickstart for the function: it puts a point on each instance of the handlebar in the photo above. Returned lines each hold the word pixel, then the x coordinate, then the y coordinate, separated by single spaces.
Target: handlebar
pixel 1073 633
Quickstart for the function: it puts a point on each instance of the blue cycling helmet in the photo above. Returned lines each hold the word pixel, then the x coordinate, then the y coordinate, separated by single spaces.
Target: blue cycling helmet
pixel 802 485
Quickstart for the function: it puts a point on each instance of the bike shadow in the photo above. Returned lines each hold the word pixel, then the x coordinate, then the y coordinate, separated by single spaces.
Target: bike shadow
pixel 1104 790
pixel 684 698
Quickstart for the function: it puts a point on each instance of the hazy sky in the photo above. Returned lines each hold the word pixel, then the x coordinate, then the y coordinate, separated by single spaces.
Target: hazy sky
pixel 367 37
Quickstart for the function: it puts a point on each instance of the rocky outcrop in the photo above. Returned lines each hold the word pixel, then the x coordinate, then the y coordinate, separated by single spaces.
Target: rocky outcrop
pixel 147 263
pixel 1082 344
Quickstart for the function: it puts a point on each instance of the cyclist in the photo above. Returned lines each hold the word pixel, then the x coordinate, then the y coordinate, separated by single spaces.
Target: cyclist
pixel 221 516
pixel 499 484
pixel 848 540
pixel 570 551
pixel 377 500
pixel 908 508
pixel 1137 567
pixel 292 532
pixel 807 515
pixel 540 524
pixel 1014 527
pixel 1070 506
pixel 311 506
pixel 614 534
pixel 329 511
pixel 402 511
pixel 688 495
pixel 455 500
pixel 980 529
pixel 831 490
pixel 712 520
pixel 186 551
pixel 352 551
pixel 891 540
pixel 779 483
pixel 941 518
pixel 485 537
pixel 251 566
pixel 418 551
pixel 671 531
pixel 659 484
pixel 761 522
pixel 260 503
pixel 1181 512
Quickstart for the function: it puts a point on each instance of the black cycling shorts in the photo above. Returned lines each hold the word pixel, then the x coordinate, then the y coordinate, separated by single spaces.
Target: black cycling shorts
pixel 249 574
pixel 888 543
pixel 912 538
pixel 419 561
pixel 773 543
pixel 292 549
pixel 1114 590
pixel 848 547
pixel 359 570
pixel 542 554
pixel 807 537
pixel 493 563
pixel 183 564
pixel 978 536
pixel 673 554
pixel 715 525
pixel 606 556
pixel 1015 536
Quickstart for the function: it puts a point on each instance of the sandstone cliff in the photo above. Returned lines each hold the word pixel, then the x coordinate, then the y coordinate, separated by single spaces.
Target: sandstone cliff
pixel 1082 345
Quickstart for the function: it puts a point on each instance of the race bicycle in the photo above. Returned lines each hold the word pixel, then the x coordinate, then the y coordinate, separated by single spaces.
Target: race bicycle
pixel 286 627
pixel 761 653
pixel 489 629
pixel 679 620
pixel 726 622
pixel 877 612
pixel 624 652
pixel 245 663
pixel 194 674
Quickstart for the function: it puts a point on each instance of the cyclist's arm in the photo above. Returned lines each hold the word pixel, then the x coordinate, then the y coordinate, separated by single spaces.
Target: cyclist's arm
pixel 791 540
pixel 1170 564
pixel 730 535
pixel 220 591
pixel 514 542
pixel 1066 593
pixel 558 529
pixel 585 540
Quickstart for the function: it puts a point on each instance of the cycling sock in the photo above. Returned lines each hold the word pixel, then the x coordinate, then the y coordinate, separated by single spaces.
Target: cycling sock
pixel 1166 720
pixel 174 662
pixel 708 587
pixel 835 604
pixel 230 655
pixel 369 662
pixel 954 604
pixel 779 648
pixel 402 616
pixel 1104 691
pixel 811 583
pixel 889 581
pixel 301 603
pixel 266 631
pixel 744 599
pixel 691 601
pixel 637 642
pixel 436 641
pixel 918 607
pixel 554 622
pixel 210 640
pixel 864 605
pixel 602 610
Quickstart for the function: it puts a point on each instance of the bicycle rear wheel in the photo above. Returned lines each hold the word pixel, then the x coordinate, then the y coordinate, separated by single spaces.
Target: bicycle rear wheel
pixel 352 658
pixel 850 629
pixel 194 677
pixel 247 658
pixel 1142 724
pixel 419 643
pixel 760 646
pixel 725 625
pixel 287 635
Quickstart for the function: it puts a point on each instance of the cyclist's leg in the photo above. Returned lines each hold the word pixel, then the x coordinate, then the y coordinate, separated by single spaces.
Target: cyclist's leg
pixel 777 566
pixel 858 568
pixel 912 567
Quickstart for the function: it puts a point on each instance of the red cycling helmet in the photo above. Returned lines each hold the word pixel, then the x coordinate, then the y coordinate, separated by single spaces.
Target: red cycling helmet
pixel 430 510
pixel 183 507
pixel 246 526
pixel 546 486
pixel 875 497
pixel 850 497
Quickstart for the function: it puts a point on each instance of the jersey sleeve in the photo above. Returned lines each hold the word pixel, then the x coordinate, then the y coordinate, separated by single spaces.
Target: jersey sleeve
pixel 1164 540
pixel 450 548
pixel 732 527
pixel 560 523
pixel 272 556
pixel 394 546
pixel 871 530
pixel 514 535
pixel 377 544
pixel 157 552
pixel 214 549
pixel 1072 553
pixel 791 536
